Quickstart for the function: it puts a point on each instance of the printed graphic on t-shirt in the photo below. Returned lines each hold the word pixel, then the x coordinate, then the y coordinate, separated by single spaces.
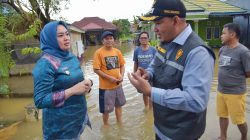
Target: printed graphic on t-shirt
pixel 145 58
pixel 111 62
pixel 225 60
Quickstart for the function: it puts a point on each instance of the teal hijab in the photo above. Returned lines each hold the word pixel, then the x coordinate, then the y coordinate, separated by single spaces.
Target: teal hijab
pixel 48 40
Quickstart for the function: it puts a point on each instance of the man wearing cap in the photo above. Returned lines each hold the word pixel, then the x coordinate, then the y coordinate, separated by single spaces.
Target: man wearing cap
pixel 181 74
pixel 108 64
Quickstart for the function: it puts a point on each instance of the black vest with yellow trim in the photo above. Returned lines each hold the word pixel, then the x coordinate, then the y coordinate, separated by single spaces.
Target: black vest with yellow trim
pixel 176 124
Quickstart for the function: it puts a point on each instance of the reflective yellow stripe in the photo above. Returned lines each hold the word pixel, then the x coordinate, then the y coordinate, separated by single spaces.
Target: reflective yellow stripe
pixel 160 57
pixel 175 65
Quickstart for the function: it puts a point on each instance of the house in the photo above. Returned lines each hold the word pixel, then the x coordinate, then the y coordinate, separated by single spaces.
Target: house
pixel 94 27
pixel 77 37
pixel 207 19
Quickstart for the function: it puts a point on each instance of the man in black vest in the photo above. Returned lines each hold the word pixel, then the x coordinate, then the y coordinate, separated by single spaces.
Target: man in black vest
pixel 181 74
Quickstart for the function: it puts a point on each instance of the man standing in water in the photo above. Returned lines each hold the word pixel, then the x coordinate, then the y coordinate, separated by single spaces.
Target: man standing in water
pixel 181 74
pixel 234 68
pixel 108 63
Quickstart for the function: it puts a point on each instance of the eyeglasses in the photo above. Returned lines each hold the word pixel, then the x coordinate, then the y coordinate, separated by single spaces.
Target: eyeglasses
pixel 143 38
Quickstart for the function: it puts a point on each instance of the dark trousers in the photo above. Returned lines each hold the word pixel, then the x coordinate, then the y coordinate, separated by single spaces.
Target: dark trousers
pixel 157 137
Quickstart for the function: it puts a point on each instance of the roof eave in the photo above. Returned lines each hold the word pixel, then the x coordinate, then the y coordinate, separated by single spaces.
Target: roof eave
pixel 228 13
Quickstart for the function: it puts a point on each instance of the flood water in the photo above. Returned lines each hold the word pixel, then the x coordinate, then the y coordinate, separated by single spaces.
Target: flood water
pixel 137 122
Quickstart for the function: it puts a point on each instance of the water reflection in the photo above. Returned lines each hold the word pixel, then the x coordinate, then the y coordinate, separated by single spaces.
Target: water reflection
pixel 137 122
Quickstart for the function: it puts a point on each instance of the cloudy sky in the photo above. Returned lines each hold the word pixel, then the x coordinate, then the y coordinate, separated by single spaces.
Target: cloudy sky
pixel 106 9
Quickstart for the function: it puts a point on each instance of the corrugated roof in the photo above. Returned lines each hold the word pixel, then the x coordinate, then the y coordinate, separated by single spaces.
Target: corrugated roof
pixel 201 9
pixel 96 22
pixel 214 6
pixel 192 7
pixel 92 26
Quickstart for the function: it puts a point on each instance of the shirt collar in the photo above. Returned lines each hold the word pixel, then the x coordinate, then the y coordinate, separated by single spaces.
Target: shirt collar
pixel 182 37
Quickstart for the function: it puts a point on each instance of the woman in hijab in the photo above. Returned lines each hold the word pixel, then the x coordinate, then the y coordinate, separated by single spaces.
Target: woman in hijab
pixel 59 85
